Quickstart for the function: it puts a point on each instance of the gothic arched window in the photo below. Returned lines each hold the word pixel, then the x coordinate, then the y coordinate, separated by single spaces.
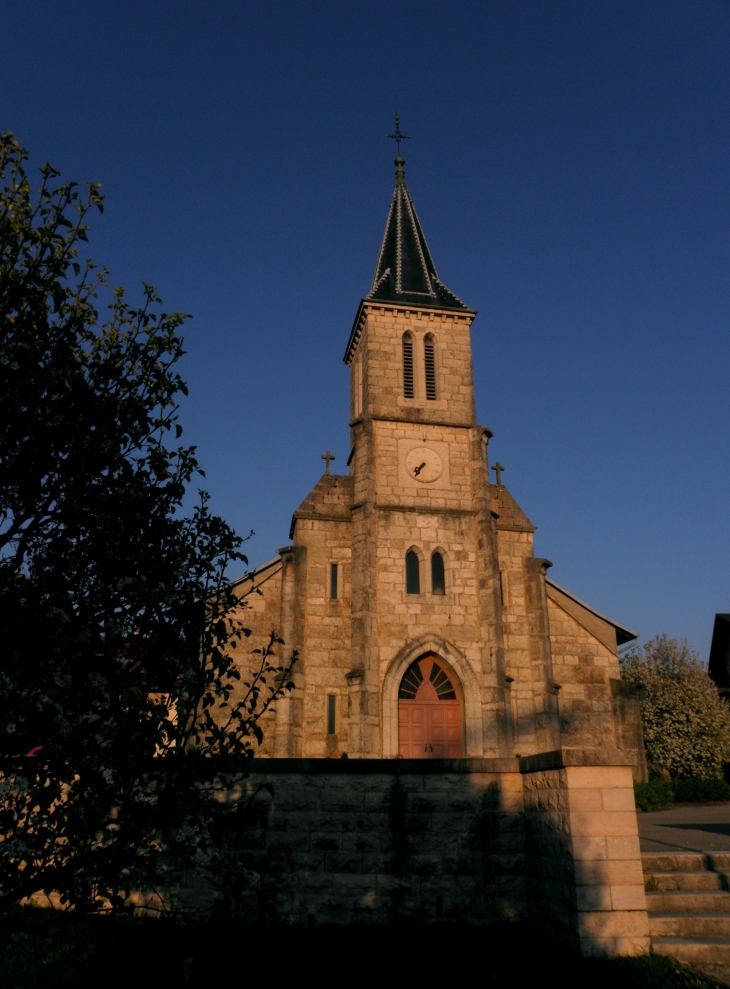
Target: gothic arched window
pixel 429 357
pixel 408 365
pixel 438 577
pixel 413 576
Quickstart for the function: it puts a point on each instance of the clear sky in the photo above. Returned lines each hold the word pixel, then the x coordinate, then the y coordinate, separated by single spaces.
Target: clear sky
pixel 569 163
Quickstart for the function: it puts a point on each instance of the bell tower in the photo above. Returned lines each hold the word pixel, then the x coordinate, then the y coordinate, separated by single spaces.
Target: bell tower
pixel 425 625
pixel 420 497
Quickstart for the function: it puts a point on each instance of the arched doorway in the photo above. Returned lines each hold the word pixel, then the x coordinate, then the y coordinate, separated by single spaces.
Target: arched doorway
pixel 429 712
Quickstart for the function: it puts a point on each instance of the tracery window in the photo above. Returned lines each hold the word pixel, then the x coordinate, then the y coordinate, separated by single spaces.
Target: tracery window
pixel 413 575
pixel 408 365
pixel 411 682
pixel 429 356
pixel 438 576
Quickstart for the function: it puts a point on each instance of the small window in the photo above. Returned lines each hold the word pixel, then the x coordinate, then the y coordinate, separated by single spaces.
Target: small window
pixel 408 366
pixel 413 577
pixel 438 578
pixel 429 352
pixel 334 578
pixel 331 712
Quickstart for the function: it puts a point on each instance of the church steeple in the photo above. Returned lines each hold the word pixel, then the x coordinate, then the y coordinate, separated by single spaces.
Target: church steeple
pixel 405 271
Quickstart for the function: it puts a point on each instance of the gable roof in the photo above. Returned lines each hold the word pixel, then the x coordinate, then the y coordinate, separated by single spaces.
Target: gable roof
pixel 509 514
pixel 257 577
pixel 587 616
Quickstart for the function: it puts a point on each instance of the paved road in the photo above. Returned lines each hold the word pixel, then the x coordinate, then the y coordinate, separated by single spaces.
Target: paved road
pixel 694 828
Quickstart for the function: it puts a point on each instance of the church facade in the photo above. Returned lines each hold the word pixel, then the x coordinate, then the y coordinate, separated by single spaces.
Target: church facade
pixel 425 625
pixel 458 744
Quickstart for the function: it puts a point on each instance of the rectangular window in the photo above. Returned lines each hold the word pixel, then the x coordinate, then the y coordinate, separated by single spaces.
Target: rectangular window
pixel 331 711
pixel 430 361
pixel 408 368
pixel 334 576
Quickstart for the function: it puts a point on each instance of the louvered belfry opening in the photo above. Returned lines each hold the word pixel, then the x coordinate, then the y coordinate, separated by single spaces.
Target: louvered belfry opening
pixel 429 350
pixel 407 366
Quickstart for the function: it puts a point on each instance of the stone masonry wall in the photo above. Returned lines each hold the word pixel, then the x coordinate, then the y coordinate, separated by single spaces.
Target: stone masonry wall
pixel 542 840
pixel 584 667
pixel 374 841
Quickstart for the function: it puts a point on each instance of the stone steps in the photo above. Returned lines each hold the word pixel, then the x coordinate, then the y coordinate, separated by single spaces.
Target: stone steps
pixel 688 903
pixel 695 901
pixel 693 925
pixel 693 951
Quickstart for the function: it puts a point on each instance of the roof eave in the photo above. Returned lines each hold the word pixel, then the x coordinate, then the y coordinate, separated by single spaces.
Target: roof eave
pixel 628 635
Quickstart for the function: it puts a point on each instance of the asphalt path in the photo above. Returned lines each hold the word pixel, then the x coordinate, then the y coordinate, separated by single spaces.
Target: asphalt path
pixel 686 828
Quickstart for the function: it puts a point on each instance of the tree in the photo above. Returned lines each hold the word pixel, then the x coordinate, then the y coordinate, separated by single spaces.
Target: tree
pixel 117 670
pixel 686 724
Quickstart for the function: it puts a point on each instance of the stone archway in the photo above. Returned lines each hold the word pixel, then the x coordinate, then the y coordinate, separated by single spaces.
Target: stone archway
pixel 452 660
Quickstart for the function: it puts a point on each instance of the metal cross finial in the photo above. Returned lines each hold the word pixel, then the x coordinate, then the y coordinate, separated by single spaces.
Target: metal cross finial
pixel 398 136
pixel 328 456
pixel 498 468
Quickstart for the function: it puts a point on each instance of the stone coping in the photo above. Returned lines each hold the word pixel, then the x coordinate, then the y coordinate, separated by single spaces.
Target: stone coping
pixel 558 759
pixel 391 767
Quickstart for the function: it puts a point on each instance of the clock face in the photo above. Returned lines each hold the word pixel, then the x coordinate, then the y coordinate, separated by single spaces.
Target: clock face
pixel 424 465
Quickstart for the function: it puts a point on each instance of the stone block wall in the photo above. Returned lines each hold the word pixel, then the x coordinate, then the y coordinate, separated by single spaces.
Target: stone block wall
pixel 379 840
pixel 582 852
pixel 544 840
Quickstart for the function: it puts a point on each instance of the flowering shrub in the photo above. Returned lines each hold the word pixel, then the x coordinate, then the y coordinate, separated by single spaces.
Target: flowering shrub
pixel 686 724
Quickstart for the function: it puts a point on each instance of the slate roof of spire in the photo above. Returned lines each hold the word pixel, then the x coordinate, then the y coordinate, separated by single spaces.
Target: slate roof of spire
pixel 405 271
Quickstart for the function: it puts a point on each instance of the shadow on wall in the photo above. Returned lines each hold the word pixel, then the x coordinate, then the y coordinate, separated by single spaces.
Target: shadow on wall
pixel 467 841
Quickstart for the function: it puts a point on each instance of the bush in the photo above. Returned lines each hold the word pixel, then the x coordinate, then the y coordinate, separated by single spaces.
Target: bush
pixel 686 724
pixel 699 789
pixel 653 795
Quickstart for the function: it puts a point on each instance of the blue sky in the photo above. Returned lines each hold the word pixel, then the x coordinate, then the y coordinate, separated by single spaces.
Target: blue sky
pixel 569 162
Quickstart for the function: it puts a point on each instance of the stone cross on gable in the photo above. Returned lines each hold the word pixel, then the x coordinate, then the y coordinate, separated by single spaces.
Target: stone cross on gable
pixel 328 456
pixel 498 468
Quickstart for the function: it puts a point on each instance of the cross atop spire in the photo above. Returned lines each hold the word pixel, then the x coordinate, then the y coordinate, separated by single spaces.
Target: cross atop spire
pixel 405 271
pixel 398 136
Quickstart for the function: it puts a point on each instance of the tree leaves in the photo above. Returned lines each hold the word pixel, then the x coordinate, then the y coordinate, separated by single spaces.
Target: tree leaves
pixel 118 624
pixel 686 724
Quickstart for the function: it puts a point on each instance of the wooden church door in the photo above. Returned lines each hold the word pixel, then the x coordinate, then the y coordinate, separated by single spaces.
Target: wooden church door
pixel 429 713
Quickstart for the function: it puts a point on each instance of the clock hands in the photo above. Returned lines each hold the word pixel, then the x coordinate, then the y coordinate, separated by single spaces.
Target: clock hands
pixel 417 470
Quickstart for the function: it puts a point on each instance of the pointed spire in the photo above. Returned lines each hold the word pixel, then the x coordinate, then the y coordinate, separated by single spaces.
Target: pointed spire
pixel 405 271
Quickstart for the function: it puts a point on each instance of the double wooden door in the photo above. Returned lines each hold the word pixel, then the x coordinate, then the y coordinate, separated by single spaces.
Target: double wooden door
pixel 429 713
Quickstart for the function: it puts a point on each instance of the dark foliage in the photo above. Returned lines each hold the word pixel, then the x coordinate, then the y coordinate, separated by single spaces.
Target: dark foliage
pixel 653 795
pixel 697 790
pixel 122 718
pixel 68 952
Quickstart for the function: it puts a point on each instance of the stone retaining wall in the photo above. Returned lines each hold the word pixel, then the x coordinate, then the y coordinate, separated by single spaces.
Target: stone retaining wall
pixel 545 839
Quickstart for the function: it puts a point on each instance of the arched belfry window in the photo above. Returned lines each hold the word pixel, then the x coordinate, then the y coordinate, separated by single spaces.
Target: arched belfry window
pixel 429 357
pixel 438 576
pixel 408 365
pixel 413 576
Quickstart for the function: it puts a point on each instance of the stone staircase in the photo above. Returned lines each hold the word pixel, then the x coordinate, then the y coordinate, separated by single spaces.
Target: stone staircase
pixel 688 901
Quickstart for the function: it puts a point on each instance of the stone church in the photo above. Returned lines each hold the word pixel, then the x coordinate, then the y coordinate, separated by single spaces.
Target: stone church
pixel 458 744
pixel 425 625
